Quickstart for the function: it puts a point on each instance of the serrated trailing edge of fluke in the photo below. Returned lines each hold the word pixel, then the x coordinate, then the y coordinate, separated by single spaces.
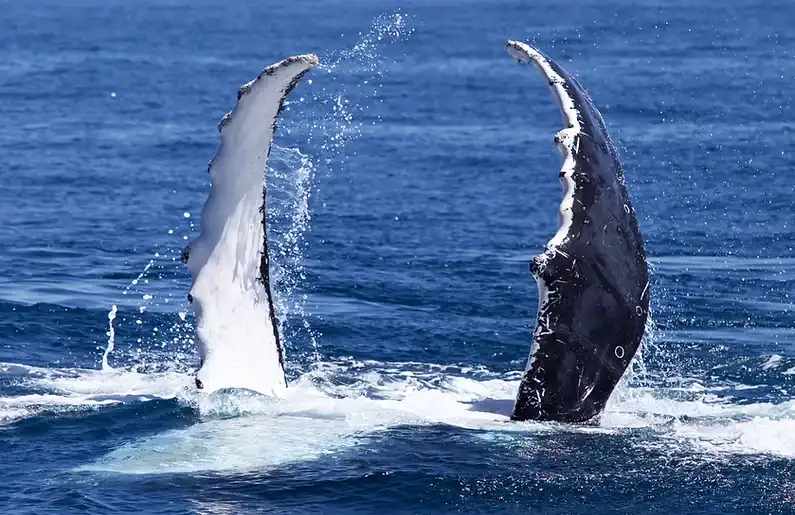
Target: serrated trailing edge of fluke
pixel 310 60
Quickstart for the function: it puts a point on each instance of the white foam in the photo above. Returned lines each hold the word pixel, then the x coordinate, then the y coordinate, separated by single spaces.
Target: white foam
pixel 760 435
pixel 772 362
pixel 321 415
pixel 308 423
pixel 72 389
pixel 254 442
pixel 324 419
pixel 708 424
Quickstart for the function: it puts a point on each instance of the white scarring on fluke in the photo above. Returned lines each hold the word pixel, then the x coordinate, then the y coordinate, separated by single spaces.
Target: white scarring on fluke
pixel 237 337
pixel 565 140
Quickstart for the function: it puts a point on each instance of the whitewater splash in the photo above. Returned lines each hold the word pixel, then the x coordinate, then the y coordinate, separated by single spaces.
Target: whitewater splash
pixel 336 407
pixel 290 178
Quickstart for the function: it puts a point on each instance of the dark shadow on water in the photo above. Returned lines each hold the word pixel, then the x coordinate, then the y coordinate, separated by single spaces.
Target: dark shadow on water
pixel 496 406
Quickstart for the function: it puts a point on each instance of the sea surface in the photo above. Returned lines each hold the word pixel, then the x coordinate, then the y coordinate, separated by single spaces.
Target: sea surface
pixel 414 177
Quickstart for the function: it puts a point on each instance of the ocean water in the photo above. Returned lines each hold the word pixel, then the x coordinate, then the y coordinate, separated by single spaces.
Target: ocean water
pixel 413 180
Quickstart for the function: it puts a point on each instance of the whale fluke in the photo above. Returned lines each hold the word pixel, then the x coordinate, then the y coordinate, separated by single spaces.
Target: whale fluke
pixel 236 329
pixel 592 277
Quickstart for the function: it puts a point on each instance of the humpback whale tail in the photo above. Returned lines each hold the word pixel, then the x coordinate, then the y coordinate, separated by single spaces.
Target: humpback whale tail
pixel 592 276
pixel 236 329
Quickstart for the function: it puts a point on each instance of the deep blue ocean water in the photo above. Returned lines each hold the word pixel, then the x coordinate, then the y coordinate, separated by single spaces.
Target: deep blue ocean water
pixel 414 178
